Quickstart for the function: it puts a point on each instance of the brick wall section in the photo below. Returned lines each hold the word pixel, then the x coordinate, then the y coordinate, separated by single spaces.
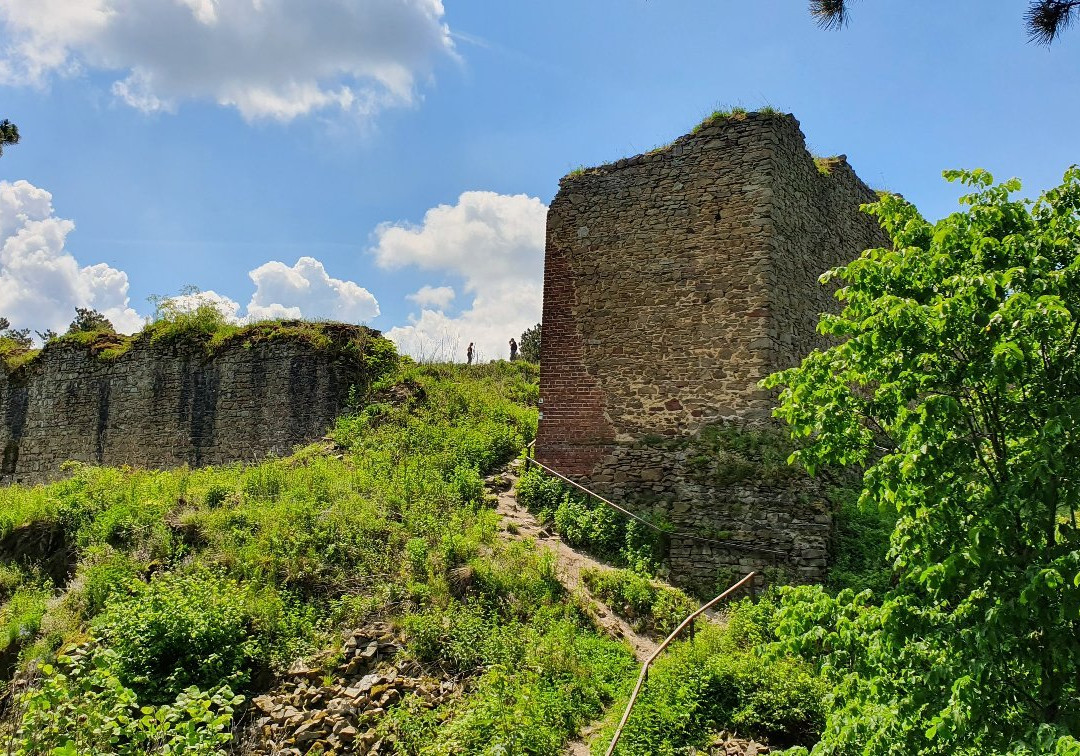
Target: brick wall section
pixel 575 432
pixel 674 282
pixel 168 405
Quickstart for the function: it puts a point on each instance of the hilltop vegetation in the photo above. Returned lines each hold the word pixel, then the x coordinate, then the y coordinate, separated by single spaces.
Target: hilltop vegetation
pixel 188 592
pixel 201 326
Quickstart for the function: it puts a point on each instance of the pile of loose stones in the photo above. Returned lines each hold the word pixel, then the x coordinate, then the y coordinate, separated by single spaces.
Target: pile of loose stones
pixel 336 711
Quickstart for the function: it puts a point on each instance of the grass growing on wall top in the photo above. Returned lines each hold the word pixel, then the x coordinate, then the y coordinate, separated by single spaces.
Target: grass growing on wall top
pixel 733 113
pixel 210 333
pixel 14 354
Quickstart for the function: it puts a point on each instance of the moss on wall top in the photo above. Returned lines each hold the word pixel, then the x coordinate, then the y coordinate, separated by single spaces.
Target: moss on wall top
pixel 212 338
pixel 716 119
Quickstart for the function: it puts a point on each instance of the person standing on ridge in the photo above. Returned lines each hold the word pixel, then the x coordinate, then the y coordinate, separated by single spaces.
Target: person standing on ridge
pixel 469 354
pixel 513 350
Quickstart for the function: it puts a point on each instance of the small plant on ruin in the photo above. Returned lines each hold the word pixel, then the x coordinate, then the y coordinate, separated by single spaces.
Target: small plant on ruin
pixel 192 314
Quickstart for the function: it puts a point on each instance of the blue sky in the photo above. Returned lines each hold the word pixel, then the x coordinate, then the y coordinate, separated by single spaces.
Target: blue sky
pixel 218 142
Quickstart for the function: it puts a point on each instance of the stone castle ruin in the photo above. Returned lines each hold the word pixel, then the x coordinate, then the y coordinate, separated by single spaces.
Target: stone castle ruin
pixel 169 403
pixel 674 281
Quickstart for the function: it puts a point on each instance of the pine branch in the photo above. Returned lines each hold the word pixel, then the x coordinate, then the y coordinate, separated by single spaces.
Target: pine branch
pixel 829 14
pixel 1046 19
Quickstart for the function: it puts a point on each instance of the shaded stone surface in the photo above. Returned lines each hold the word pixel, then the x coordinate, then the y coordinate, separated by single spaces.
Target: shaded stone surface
pixel 162 405
pixel 674 282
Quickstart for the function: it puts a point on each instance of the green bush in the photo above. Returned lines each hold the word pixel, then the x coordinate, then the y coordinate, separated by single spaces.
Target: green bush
pixel 106 573
pixel 539 493
pixel 193 317
pixel 20 617
pixel 586 523
pixel 721 680
pixel 193 630
pixel 80 706
pixel 466 485
pixel 861 545
pixel 650 607
pixel 538 680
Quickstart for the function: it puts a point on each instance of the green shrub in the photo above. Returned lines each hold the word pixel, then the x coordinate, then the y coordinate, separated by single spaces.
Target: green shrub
pixel 106 574
pixel 80 706
pixel 416 551
pixel 539 493
pixel 20 617
pixel 192 316
pixel 466 485
pixel 861 547
pixel 720 680
pixel 539 681
pixel 649 606
pixel 201 630
pixel 589 524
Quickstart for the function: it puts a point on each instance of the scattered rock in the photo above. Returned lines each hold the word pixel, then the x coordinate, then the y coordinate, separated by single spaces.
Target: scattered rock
pixel 730 744
pixel 306 716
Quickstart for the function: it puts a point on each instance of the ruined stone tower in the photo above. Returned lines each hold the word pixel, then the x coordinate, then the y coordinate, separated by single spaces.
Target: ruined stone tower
pixel 674 281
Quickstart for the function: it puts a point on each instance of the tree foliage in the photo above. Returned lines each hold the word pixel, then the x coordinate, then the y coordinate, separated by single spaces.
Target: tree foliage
pixel 18 337
pixel 1045 19
pixel 529 344
pixel 956 383
pixel 9 134
pixel 88 320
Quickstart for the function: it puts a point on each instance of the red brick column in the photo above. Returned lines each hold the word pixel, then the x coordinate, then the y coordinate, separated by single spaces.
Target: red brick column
pixel 574 432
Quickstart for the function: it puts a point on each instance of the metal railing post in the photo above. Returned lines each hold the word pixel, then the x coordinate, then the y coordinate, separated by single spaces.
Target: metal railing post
pixel 645 667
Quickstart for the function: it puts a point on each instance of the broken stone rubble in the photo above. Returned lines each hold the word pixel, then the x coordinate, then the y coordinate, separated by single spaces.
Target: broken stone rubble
pixel 337 710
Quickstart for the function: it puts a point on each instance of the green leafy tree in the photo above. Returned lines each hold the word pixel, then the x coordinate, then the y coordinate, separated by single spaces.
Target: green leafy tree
pixel 18 337
pixel 9 134
pixel 529 345
pixel 1045 19
pixel 955 382
pixel 88 319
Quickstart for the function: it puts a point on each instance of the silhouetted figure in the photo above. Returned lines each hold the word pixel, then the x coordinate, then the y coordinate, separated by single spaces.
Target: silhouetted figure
pixel 513 350
pixel 469 354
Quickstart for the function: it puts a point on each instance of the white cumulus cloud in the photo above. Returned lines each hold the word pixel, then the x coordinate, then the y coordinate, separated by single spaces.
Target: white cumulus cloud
pixel 435 297
pixel 307 290
pixel 41 283
pixel 495 243
pixel 267 58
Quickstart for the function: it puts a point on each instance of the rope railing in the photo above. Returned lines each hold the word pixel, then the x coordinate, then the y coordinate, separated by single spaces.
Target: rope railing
pixel 653 526
pixel 645 666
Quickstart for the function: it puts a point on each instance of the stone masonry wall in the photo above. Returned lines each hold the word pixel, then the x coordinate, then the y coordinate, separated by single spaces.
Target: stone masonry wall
pixel 674 282
pixel 168 405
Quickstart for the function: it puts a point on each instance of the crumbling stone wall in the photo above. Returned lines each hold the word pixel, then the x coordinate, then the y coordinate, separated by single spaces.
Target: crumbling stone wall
pixel 674 281
pixel 162 405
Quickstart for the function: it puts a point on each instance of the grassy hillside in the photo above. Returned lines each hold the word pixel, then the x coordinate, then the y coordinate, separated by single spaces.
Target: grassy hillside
pixel 142 610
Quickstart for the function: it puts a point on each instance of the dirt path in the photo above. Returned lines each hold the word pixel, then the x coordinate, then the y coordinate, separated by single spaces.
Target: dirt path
pixel 520 524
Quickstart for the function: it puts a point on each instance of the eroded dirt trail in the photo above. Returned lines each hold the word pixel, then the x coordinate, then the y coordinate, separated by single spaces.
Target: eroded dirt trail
pixel 520 524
